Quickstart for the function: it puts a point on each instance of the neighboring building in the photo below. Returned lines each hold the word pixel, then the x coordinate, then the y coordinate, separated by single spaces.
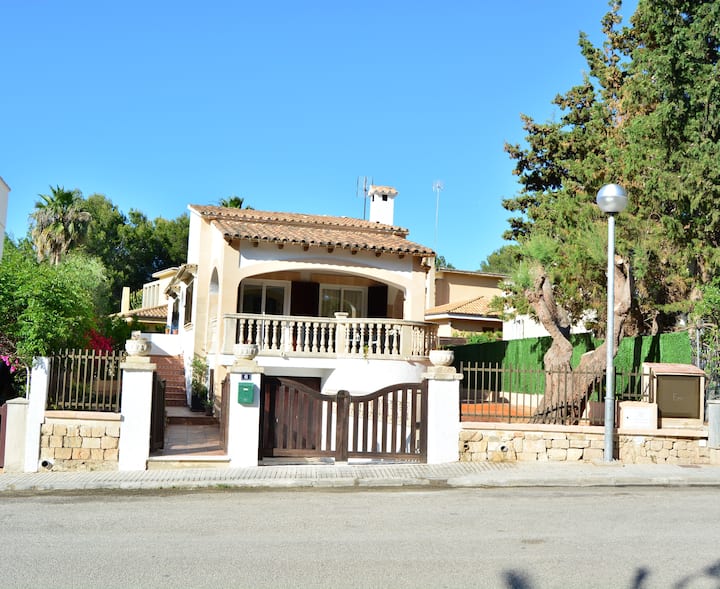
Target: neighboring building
pixel 157 308
pixel 335 301
pixel 525 326
pixel 521 327
pixel 4 196
pixel 462 304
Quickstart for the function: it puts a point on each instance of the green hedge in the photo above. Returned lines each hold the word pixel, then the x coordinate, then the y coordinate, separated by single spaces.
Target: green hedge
pixel 528 353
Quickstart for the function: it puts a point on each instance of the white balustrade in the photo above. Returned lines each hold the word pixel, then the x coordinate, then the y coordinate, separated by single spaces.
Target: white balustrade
pixel 277 335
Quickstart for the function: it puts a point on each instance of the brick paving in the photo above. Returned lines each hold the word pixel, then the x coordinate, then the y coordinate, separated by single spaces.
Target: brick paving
pixel 199 447
pixel 379 476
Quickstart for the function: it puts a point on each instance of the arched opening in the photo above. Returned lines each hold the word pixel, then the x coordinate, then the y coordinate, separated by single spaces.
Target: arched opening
pixel 212 311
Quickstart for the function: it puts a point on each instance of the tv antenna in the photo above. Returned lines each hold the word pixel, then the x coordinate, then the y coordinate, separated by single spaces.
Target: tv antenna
pixel 437 187
pixel 366 183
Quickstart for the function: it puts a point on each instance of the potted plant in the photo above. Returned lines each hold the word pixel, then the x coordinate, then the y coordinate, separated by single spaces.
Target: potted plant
pixel 209 406
pixel 198 384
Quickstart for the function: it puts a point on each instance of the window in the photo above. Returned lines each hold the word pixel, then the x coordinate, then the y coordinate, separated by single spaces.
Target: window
pixel 188 303
pixel 341 299
pixel 262 298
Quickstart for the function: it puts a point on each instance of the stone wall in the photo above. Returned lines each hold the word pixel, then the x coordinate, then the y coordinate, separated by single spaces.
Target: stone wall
pixel 80 440
pixel 524 442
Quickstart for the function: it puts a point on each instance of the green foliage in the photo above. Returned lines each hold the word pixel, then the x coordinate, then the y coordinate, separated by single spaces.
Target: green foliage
pixel 95 250
pixel 483 337
pixel 708 308
pixel 441 262
pixel 148 246
pixel 646 116
pixel 234 202
pixel 136 297
pixel 103 234
pixel 198 379
pixel 527 354
pixel 666 347
pixel 131 246
pixel 117 329
pixel 46 307
pixel 501 261
pixel 58 221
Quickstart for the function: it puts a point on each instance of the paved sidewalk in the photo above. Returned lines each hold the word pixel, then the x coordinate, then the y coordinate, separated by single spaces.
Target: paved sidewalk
pixel 365 476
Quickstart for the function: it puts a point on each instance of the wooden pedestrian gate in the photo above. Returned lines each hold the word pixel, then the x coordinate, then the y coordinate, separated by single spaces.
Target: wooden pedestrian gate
pixel 157 414
pixel 298 421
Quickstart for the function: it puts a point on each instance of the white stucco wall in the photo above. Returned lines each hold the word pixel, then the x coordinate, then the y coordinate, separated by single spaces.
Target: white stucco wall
pixel 234 262
pixel 357 376
pixel 4 197
pixel 524 326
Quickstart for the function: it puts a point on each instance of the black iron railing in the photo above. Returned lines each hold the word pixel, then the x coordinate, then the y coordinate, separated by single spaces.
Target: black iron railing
pixel 85 380
pixel 490 392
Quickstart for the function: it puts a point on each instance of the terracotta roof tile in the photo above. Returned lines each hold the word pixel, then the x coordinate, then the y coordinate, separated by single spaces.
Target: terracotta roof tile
pixel 159 312
pixel 477 306
pixel 311 230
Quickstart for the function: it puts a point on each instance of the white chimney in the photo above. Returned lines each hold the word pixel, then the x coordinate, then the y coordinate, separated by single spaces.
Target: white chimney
pixel 382 204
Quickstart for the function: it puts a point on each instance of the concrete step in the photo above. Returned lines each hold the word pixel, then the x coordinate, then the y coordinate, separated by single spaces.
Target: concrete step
pixel 181 415
pixel 196 419
pixel 177 461
pixel 174 382
pixel 174 394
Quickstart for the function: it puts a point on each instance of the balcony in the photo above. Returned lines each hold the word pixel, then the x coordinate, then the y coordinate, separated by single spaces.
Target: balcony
pixel 322 337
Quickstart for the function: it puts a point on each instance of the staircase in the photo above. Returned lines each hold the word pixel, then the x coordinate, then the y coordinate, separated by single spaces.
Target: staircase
pixel 171 369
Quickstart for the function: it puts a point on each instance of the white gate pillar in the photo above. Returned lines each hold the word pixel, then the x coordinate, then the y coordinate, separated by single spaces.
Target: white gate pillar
pixel 15 426
pixel 39 384
pixel 243 407
pixel 443 419
pixel 135 406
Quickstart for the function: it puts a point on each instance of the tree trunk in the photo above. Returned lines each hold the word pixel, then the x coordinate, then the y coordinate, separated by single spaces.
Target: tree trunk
pixel 567 390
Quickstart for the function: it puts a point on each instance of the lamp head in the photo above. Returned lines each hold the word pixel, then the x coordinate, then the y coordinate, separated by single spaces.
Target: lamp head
pixel 612 199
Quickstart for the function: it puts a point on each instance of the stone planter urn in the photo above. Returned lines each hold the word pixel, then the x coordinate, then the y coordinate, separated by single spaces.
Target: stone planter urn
pixel 137 345
pixel 442 357
pixel 245 351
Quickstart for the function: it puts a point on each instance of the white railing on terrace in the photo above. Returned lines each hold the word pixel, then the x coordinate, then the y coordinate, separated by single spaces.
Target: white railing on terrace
pixel 281 335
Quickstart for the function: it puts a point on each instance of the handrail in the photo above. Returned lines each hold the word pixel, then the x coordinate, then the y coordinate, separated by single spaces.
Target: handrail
pixel 340 336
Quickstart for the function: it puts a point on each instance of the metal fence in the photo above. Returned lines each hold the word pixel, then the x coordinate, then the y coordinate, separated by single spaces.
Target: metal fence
pixel 85 380
pixel 705 342
pixel 492 393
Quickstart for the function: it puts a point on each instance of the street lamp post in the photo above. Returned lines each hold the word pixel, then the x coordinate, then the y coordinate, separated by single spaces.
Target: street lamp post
pixel 611 199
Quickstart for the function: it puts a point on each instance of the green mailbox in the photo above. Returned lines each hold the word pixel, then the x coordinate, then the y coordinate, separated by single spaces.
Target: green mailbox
pixel 246 393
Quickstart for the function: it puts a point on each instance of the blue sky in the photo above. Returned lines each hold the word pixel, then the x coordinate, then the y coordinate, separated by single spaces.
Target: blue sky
pixel 285 103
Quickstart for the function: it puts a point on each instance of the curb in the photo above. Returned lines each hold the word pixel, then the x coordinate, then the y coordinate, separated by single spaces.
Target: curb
pixel 386 476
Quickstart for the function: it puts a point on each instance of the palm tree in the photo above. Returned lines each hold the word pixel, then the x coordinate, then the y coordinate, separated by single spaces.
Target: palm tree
pixel 58 221
pixel 233 202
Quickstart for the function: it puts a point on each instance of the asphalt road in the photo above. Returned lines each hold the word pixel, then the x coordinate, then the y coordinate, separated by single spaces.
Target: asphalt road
pixel 639 538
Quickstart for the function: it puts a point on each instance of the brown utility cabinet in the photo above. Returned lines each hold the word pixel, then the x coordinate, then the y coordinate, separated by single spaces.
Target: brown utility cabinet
pixel 679 392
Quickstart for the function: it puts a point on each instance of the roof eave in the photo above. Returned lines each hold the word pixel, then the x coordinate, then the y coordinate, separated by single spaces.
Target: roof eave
pixel 229 238
pixel 463 316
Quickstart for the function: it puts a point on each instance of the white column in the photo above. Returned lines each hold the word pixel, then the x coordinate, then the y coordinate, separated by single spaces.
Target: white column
pixel 713 418
pixel 15 425
pixel 39 382
pixel 243 421
pixel 135 408
pixel 443 434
